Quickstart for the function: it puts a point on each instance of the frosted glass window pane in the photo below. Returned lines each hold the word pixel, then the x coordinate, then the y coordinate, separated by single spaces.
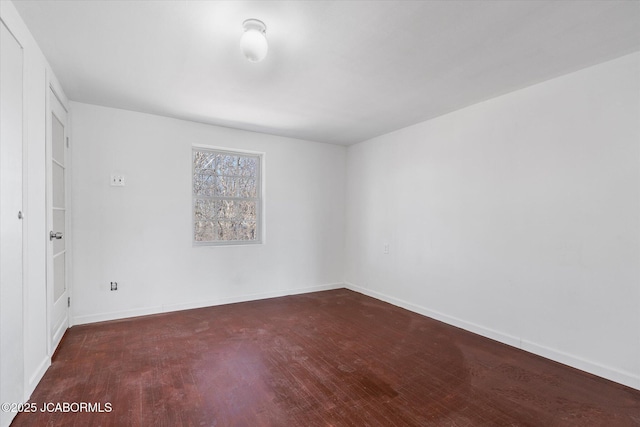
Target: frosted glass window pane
pixel 203 160
pixel 206 209
pixel 247 230
pixel 58 139
pixel 228 209
pixel 247 188
pixel 227 230
pixel 248 166
pixel 59 226
pixel 205 231
pixel 219 164
pixel 203 185
pixel 226 186
pixel 58 276
pixel 58 186
pixel 247 210
pixel 230 165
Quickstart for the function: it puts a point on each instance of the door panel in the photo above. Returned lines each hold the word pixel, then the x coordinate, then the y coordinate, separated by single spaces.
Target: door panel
pixel 59 271
pixel 11 305
pixel 58 245
pixel 58 140
pixel 58 186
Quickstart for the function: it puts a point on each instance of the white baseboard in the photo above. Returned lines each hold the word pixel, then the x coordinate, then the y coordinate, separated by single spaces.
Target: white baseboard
pixel 622 377
pixel 35 378
pixel 613 374
pixel 253 297
pixel 116 315
pixel 58 334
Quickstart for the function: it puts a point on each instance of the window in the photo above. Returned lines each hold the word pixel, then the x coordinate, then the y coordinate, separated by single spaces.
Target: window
pixel 227 199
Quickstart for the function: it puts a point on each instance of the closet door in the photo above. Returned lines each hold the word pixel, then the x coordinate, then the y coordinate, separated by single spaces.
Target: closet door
pixel 11 305
pixel 57 218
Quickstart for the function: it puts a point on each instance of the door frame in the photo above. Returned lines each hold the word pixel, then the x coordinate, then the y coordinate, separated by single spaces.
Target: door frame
pixel 53 89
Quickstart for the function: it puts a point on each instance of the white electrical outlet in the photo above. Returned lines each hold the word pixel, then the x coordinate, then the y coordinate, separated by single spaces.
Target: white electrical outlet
pixel 386 248
pixel 117 180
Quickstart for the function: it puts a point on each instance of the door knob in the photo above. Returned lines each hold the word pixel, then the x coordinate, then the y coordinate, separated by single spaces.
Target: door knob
pixel 55 235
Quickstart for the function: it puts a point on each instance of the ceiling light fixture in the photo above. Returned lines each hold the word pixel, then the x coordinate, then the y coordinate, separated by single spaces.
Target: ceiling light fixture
pixel 254 40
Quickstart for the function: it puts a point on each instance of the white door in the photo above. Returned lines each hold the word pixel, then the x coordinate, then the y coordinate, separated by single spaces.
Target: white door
pixel 11 328
pixel 57 220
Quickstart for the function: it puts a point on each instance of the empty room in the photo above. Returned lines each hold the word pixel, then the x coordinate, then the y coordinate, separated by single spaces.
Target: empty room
pixel 319 213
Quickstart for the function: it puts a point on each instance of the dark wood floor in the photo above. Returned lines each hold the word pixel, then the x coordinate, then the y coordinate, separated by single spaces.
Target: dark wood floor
pixel 324 359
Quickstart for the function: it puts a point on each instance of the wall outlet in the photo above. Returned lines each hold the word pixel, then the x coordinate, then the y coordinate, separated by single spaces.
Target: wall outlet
pixel 386 248
pixel 117 180
pixel 114 286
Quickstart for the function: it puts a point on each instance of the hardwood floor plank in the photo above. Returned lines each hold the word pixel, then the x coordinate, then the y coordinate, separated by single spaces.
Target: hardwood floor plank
pixel 334 358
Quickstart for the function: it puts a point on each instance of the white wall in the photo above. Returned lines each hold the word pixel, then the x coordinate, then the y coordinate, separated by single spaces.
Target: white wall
pixel 140 235
pixel 517 218
pixel 37 76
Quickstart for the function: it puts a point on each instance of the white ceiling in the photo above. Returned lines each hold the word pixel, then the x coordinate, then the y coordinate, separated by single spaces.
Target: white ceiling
pixel 337 71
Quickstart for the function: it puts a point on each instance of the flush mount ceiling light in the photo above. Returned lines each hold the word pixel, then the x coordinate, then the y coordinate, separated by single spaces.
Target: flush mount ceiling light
pixel 254 40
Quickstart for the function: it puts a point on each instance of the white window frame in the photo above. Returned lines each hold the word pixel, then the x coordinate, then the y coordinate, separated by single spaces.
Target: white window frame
pixel 260 211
